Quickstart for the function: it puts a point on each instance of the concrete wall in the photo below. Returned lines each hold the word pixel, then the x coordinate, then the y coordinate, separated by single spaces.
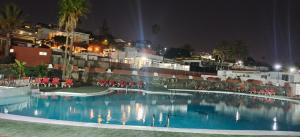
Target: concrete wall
pixel 295 88
pixel 10 92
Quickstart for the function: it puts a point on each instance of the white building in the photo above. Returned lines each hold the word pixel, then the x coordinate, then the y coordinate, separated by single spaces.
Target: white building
pixel 276 78
pixel 137 59
pixel 45 33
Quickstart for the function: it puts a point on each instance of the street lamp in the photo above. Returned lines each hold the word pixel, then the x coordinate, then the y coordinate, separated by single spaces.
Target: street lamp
pixel 277 67
pixel 292 69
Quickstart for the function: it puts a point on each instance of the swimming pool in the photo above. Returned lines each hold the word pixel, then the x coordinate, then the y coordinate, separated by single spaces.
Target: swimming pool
pixel 199 111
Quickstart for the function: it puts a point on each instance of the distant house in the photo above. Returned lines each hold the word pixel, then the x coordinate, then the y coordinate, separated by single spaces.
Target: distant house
pixel 32 56
pixel 46 33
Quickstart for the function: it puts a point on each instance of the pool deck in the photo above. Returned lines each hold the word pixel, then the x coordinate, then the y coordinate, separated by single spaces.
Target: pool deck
pixel 147 128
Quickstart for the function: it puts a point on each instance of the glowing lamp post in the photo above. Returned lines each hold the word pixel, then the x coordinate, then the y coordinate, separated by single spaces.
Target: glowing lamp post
pixel 277 67
pixel 292 69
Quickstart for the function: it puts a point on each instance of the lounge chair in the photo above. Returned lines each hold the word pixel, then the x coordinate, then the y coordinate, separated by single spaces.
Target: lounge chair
pixel 69 83
pixel 55 82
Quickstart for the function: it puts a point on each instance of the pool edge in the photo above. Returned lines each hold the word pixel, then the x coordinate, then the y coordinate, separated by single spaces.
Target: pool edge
pixel 145 128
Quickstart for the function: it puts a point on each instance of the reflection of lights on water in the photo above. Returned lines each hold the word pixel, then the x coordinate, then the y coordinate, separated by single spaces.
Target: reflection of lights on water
pixel 237 116
pixel 160 117
pixel 168 121
pixel 132 102
pixel 106 102
pixel 91 114
pixel 122 108
pixel 47 104
pixel 72 110
pixel 274 119
pixel 128 110
pixel 124 119
pixel 5 110
pixel 99 119
pixel 144 118
pixel 153 102
pixel 36 112
pixel 275 126
pixel 108 117
pixel 172 100
pixel 140 112
pixel 153 120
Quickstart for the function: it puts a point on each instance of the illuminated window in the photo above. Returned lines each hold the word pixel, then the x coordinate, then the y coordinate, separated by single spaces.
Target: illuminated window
pixel 43 53
pixel 11 50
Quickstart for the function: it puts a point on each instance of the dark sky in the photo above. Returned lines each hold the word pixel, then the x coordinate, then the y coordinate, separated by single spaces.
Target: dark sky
pixel 200 23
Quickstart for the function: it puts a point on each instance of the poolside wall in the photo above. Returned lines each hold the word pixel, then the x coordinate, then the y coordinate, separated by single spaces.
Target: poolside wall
pixel 10 92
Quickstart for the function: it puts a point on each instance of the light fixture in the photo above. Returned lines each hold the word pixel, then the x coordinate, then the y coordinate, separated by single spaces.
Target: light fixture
pixel 292 69
pixel 277 67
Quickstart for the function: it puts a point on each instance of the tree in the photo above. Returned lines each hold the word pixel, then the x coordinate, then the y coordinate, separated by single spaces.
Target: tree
pixel 19 68
pixel 59 39
pixel 173 53
pixel 155 29
pixel 231 51
pixel 69 13
pixel 104 28
pixel 219 55
pixel 187 47
pixel 10 18
pixel 157 47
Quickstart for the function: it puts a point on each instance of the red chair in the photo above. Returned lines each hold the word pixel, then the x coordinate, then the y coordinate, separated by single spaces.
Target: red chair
pixel 101 83
pixel 140 84
pixel 123 84
pixel 69 83
pixel 131 84
pixel 112 83
pixel 37 82
pixel 271 92
pixel 45 82
pixel 55 82
pixel 253 91
pixel 106 83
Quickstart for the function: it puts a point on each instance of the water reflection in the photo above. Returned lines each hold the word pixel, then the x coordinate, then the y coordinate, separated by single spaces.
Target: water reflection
pixel 201 110
pixel 108 117
pixel 274 127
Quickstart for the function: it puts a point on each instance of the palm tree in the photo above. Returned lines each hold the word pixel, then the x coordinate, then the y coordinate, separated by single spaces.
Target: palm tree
pixel 19 68
pixel 69 14
pixel 220 56
pixel 10 18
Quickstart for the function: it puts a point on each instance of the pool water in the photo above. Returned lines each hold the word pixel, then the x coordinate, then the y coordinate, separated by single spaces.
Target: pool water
pixel 200 110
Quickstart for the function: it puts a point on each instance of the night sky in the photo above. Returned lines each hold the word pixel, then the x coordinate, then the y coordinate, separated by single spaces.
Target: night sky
pixel 200 23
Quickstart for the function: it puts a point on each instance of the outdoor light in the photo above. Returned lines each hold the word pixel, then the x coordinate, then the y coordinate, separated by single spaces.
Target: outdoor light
pixel 165 49
pixel 292 69
pixel 50 66
pixel 149 46
pixel 144 58
pixel 277 67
